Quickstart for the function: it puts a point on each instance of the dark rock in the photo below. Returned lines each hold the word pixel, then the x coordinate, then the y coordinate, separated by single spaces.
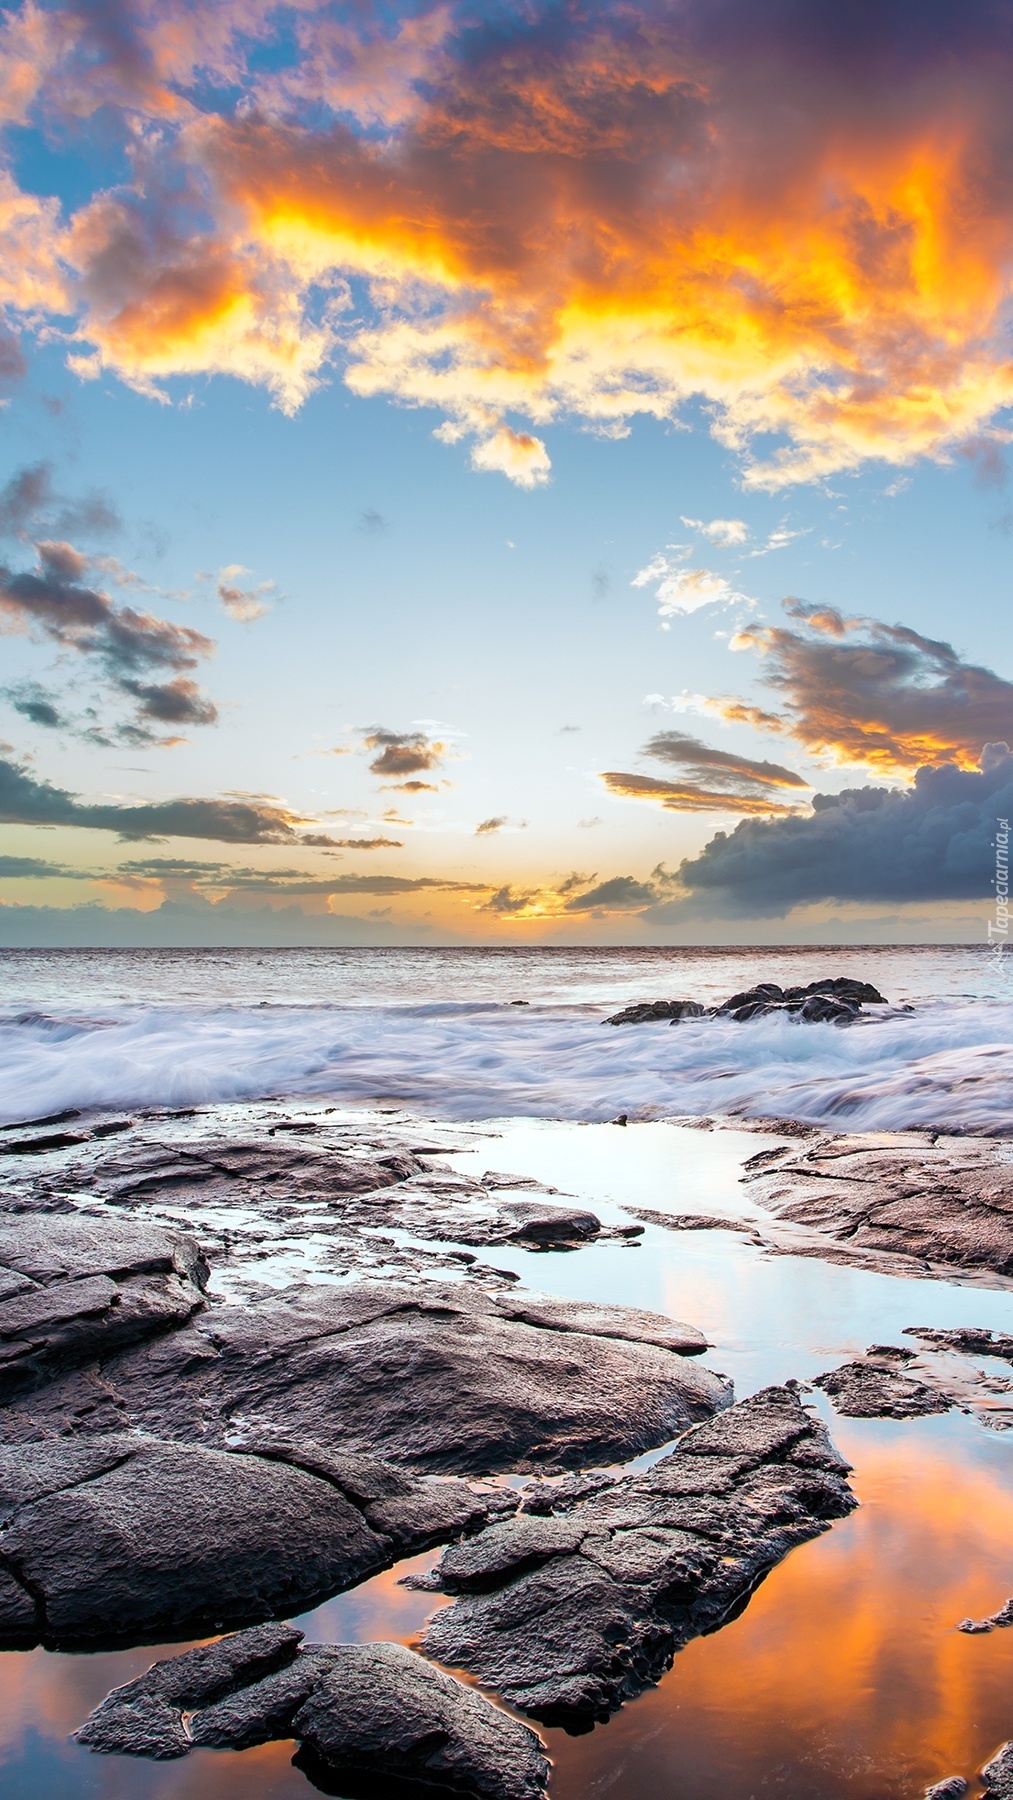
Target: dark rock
pixel 240 1169
pixel 56 1140
pixel 951 1789
pixel 644 1012
pixel 156 1539
pixel 945 1201
pixel 877 1387
pixel 380 1711
pixel 691 1221
pixel 995 1620
pixel 567 1617
pixel 444 1379
pixel 143 1718
pixel 998 1774
pixel 968 1340
pixel 363 1714
pixel 76 1288
pixel 57 1118
pixel 836 999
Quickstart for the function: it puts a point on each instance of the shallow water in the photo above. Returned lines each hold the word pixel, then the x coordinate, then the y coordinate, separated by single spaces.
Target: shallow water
pixel 843 1680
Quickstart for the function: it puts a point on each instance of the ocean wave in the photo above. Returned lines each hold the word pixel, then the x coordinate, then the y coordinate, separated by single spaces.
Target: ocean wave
pixel 949 1064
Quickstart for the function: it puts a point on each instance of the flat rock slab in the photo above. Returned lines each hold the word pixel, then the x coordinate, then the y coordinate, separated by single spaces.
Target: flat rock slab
pixel 362 1714
pixel 75 1288
pixel 441 1378
pixel 943 1201
pixel 567 1616
pixel 125 1539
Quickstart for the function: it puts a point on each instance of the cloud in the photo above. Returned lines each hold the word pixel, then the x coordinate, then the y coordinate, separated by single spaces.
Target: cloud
pixel 516 454
pixel 35 704
pixel 621 894
pixel 723 533
pixel 400 754
pixel 712 780
pixel 488 826
pixel 933 841
pixel 128 646
pixel 35 868
pixel 239 602
pixel 859 691
pixel 681 590
pixel 24 800
pixel 689 796
pixel 591 213
pixel 30 506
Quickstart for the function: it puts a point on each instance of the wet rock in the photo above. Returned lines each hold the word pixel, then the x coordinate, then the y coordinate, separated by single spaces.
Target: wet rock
pixel 440 1378
pixel 644 1012
pixel 889 1382
pixel 951 1789
pixel 995 1620
pixel 152 1539
pixel 692 1221
pixel 361 1713
pixel 144 1717
pixel 836 999
pixel 998 1774
pixel 568 1616
pixel 381 1711
pixel 75 1288
pixel 941 1200
pixel 877 1386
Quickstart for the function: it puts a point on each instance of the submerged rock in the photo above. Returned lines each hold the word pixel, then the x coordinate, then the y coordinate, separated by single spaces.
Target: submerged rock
pixel 439 1378
pixel 568 1616
pixel 877 1386
pixel 361 1713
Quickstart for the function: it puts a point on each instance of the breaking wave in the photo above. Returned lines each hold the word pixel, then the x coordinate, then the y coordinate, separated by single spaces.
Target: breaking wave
pixel 948 1065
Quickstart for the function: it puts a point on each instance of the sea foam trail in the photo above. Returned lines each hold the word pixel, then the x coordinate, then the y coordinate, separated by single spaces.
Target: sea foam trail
pixel 948 1065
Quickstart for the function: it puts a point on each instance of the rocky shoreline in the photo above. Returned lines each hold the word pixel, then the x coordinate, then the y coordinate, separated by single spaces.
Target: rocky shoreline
pixel 188 1448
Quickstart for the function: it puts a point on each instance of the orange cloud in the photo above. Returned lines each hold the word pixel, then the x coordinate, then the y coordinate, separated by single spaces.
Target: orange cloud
pixel 600 215
pixel 857 691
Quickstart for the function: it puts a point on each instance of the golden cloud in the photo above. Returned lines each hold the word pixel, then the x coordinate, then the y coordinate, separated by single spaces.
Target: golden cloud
pixel 602 220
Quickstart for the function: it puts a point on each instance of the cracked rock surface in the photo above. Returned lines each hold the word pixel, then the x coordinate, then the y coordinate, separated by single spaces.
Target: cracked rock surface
pixel 441 1378
pixel 361 1713
pixel 921 1195
pixel 73 1288
pixel 566 1616
pixel 890 1382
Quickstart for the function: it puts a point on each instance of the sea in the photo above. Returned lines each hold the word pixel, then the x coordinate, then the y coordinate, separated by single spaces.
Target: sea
pixel 489 1033
pixel 845 1677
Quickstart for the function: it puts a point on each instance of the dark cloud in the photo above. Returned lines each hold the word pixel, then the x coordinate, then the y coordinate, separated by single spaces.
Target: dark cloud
pixel 126 645
pixel 507 900
pixel 372 521
pixel 377 843
pixel 34 703
pixel 295 882
pixel 13 366
pixel 488 826
pixel 621 894
pixel 931 841
pixel 35 868
pixel 178 702
pixel 403 753
pixel 864 692
pixel 30 505
pixel 26 801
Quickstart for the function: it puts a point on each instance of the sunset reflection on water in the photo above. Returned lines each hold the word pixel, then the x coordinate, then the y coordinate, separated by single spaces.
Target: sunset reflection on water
pixel 843 1680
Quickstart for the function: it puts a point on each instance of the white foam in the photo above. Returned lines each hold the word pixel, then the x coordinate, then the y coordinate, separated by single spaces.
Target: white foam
pixel 949 1064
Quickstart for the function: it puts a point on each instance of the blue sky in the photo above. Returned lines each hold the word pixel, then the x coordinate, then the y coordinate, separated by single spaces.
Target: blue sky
pixel 507 635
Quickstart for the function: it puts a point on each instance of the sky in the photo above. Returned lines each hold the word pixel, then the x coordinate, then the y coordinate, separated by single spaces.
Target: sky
pixel 504 473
